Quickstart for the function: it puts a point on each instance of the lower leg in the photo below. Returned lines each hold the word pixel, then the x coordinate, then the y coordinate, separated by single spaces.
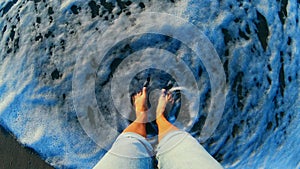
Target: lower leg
pixel 137 127
pixel 164 127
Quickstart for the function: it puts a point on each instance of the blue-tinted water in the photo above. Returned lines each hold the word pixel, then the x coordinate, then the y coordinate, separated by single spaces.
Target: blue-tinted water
pixel 257 43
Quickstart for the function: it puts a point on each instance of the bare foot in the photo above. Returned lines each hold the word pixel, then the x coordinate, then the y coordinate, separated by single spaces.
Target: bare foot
pixel 163 100
pixel 164 126
pixel 140 102
pixel 139 124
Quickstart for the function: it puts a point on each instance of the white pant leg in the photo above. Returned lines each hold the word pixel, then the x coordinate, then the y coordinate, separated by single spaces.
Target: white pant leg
pixel 179 150
pixel 130 151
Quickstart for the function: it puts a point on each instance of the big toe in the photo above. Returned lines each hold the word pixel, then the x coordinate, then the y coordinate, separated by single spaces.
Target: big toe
pixel 144 90
pixel 163 92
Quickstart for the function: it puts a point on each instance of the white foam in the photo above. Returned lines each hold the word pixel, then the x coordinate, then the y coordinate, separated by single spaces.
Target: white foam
pixel 33 108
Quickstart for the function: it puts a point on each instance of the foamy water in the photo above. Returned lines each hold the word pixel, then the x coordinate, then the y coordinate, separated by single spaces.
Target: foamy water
pixel 257 43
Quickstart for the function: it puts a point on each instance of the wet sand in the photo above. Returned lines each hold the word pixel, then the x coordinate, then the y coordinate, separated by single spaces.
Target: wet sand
pixel 15 156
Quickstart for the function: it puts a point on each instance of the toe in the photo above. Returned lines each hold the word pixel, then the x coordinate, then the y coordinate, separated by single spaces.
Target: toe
pixel 144 90
pixel 169 96
pixel 134 97
pixel 163 92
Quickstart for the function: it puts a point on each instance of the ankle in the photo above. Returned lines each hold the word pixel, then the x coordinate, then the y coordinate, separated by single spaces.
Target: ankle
pixel 141 117
pixel 161 119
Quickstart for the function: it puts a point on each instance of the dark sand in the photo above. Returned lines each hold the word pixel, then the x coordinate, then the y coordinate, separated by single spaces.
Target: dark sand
pixel 15 156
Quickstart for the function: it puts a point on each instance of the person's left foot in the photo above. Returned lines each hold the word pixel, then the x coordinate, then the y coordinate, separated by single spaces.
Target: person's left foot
pixel 163 100
pixel 140 102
